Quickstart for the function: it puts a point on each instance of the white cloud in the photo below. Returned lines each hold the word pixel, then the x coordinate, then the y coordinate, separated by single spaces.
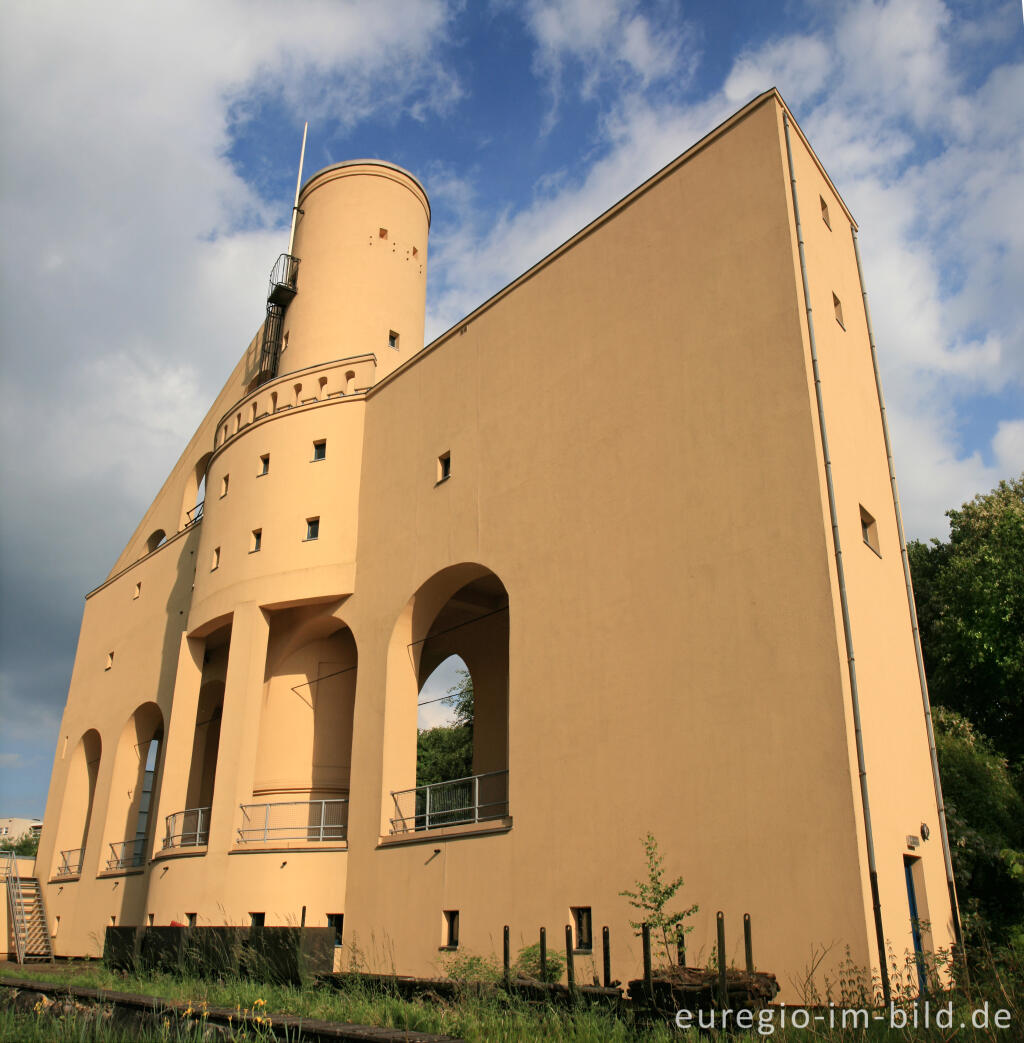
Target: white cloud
pixel 1008 447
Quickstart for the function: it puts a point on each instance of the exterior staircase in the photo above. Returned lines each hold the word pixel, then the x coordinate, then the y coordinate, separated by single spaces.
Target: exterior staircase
pixel 27 914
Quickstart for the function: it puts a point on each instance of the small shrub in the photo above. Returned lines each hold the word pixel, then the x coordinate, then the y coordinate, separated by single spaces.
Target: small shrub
pixel 466 967
pixel 527 964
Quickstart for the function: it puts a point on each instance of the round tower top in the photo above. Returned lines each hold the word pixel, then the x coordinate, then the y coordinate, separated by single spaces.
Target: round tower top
pixel 368 166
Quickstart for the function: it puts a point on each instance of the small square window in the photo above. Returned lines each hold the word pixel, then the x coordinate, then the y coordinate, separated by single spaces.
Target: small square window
pixel 138 591
pixel 582 921
pixel 382 233
pixel 839 310
pixel 451 929
pixel 257 541
pixel 444 467
pixel 869 531
pixel 257 919
pixel 337 921
pixel 392 339
pixel 113 921
pixel 824 213
pixel 149 920
pixel 320 450
pixel 264 464
pixel 190 919
pixel 110 660
pixel 215 562
pixel 224 485
pixel 312 528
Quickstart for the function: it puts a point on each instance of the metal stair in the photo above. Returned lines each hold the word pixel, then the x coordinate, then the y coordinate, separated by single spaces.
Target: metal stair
pixel 27 915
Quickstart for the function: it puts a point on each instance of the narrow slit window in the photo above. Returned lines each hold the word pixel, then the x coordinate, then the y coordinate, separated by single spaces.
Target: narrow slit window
pixel 583 921
pixel 337 921
pixel 869 531
pixel 138 591
pixel 190 919
pixel 257 541
pixel 451 929
pixel 312 528
pixel 392 339
pixel 444 467
pixel 382 233
pixel 264 464
pixel 150 920
pixel 320 450
pixel 837 304
pixel 215 561
pixel 224 485
pixel 824 213
pixel 110 661
pixel 257 919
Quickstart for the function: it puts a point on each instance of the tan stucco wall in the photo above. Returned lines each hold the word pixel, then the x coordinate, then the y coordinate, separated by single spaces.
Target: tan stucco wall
pixel 635 455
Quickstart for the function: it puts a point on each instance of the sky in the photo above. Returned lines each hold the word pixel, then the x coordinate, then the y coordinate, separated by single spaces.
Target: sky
pixel 146 179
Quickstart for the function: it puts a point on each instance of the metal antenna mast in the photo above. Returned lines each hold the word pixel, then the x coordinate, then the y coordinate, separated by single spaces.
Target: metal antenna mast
pixel 298 185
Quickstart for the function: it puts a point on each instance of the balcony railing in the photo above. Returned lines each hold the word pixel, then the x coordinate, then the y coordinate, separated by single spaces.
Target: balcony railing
pixel 188 828
pixel 477 798
pixel 196 514
pixel 128 854
pixel 307 820
pixel 282 280
pixel 70 862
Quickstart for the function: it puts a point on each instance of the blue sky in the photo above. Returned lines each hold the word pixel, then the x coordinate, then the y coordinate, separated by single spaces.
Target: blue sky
pixel 149 161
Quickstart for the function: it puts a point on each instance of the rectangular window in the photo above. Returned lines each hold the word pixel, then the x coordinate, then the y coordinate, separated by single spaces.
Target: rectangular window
pixel 215 562
pixel 392 339
pixel 190 919
pixel 257 919
pixel 257 541
pixel 224 485
pixel 824 213
pixel 869 531
pixel 113 921
pixel 312 528
pixel 582 921
pixel 839 310
pixel 150 920
pixel 337 921
pixel 320 450
pixel 264 463
pixel 110 660
pixel 451 929
pixel 138 591
pixel 444 467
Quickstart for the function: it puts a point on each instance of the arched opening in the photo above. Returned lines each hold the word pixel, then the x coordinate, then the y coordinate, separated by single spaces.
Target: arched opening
pixel 304 754
pixel 156 538
pixel 76 807
pixel 195 491
pixel 444 725
pixel 459 616
pixel 350 381
pixel 133 798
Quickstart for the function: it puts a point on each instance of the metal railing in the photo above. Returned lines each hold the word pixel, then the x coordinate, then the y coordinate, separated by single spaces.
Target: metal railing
pixel 70 862
pixel 196 514
pixel 283 275
pixel 189 828
pixel 9 869
pixel 476 798
pixel 127 854
pixel 309 820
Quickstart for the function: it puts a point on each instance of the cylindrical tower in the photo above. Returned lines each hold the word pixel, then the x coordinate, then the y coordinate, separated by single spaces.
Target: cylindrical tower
pixel 361 241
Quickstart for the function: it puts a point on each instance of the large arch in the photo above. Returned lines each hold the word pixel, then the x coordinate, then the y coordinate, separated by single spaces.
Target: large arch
pixel 194 492
pixel 77 804
pixel 304 752
pixel 462 610
pixel 129 830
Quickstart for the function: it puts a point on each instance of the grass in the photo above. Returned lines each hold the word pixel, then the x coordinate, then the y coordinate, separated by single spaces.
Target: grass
pixel 492 1016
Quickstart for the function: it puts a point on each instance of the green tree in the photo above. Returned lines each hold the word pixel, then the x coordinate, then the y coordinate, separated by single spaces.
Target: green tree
pixel 652 897
pixel 970 603
pixel 27 845
pixel 446 752
pixel 985 814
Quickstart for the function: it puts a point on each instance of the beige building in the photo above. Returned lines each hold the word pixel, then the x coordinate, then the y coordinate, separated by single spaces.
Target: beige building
pixel 644 491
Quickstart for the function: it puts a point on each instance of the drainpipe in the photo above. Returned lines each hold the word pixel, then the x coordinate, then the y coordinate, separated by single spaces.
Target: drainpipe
pixel 943 832
pixel 841 577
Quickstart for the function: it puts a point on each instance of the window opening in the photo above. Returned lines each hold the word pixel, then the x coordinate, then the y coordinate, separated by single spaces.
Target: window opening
pixel 149 919
pixel 320 450
pixel 382 233
pixel 582 921
pixel 110 660
pixel 224 485
pixel 138 591
pixel 190 919
pixel 444 467
pixel 146 800
pixel 257 541
pixel 869 531
pixel 392 339
pixel 257 919
pixel 312 528
pixel 451 929
pixel 215 563
pixel 264 464
pixel 337 921
pixel 824 213
pixel 839 310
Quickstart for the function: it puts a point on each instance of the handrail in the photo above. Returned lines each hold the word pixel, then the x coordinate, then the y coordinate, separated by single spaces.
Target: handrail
pixel 123 858
pixel 452 803
pixel 311 820
pixel 69 866
pixel 14 904
pixel 194 831
pixel 195 514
